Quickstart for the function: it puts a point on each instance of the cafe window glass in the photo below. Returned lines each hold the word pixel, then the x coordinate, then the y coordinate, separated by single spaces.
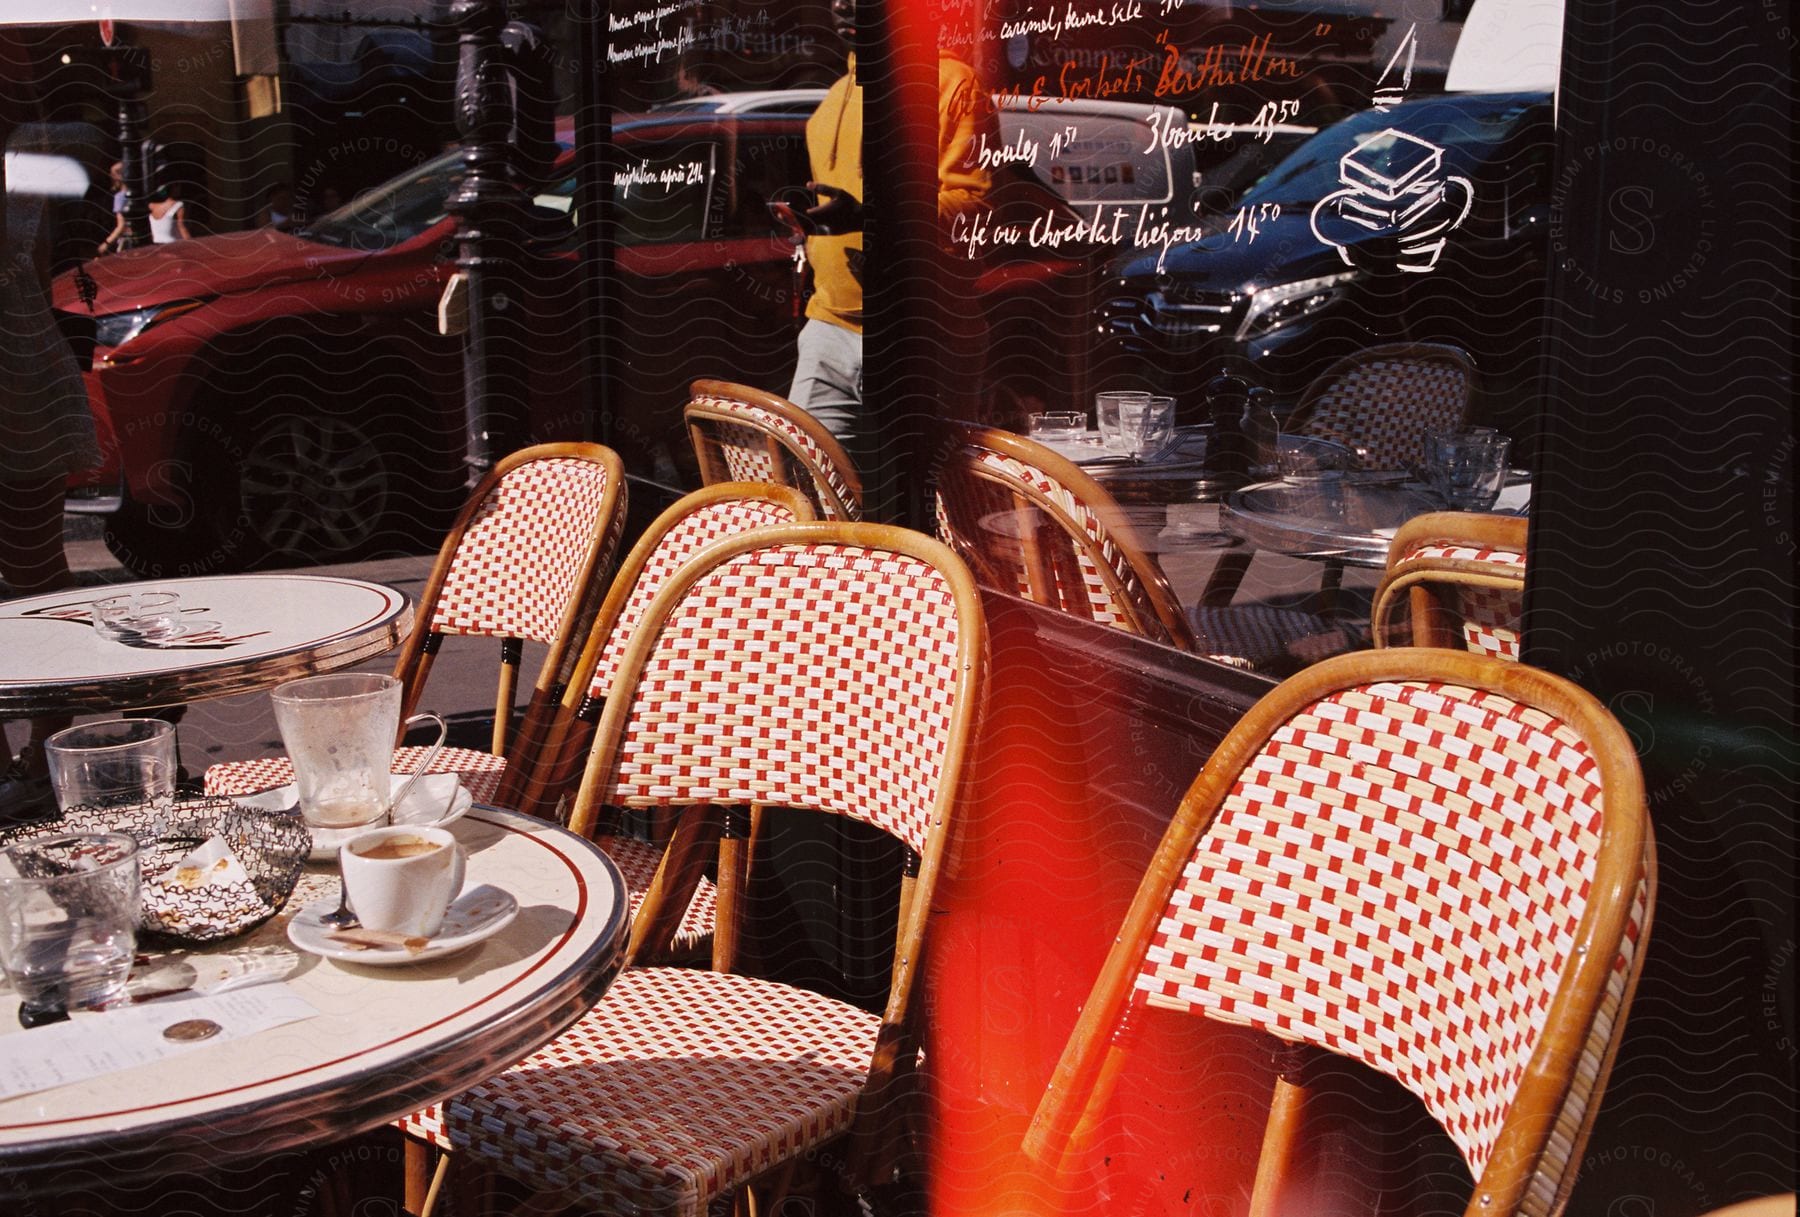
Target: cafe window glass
pixel 1141 197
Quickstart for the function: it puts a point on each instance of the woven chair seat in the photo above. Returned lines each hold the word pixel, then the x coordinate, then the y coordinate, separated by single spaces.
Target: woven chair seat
pixel 710 1079
pixel 479 771
pixel 1269 640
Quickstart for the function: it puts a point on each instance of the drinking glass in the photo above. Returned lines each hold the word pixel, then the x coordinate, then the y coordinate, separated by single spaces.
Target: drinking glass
pixel 1146 427
pixel 68 919
pixel 1106 413
pixel 1467 468
pixel 1057 426
pixel 121 762
pixel 339 731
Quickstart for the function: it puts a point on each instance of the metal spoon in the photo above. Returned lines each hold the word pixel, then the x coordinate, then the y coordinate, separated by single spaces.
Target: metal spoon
pixel 340 918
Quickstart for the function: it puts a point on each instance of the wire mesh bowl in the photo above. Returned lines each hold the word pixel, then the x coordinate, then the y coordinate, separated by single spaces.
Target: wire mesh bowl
pixel 209 868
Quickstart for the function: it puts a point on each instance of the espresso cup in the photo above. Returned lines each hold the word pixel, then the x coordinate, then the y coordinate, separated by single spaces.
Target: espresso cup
pixel 402 879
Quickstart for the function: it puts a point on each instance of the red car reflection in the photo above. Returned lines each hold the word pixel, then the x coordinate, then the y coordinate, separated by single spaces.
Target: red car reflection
pixel 268 397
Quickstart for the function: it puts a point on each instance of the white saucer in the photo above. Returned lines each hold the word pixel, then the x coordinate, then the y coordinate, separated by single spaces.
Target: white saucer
pixel 433 791
pixel 475 916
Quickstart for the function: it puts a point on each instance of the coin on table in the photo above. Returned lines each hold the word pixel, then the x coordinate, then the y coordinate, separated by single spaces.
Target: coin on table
pixel 191 1029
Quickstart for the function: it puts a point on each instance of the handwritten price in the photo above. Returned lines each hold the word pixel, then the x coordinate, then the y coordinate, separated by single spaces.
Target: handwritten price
pixel 1249 220
pixel 1273 114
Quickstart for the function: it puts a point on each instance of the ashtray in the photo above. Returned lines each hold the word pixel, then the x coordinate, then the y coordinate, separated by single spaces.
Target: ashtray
pixel 139 617
pixel 208 868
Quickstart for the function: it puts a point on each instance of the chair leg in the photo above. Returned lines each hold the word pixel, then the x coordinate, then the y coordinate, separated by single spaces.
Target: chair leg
pixel 1223 583
pixel 420 1184
pixel 438 1177
pixel 1287 1110
pixel 1331 581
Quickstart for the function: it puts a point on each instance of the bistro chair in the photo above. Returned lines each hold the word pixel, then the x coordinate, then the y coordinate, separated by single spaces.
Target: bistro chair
pixel 746 435
pixel 829 667
pixel 1461 578
pixel 673 538
pixel 1433 864
pixel 1379 403
pixel 523 562
pixel 1031 522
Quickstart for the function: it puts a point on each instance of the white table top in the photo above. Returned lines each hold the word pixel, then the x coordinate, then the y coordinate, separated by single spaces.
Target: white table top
pixel 272 628
pixel 386 1040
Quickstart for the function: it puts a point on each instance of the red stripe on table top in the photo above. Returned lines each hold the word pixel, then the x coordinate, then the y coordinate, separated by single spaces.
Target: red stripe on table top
pixel 581 905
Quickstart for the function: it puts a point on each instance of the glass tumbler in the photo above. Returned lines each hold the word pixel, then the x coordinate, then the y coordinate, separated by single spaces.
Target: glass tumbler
pixel 69 913
pixel 1146 427
pixel 1106 413
pixel 121 762
pixel 1467 468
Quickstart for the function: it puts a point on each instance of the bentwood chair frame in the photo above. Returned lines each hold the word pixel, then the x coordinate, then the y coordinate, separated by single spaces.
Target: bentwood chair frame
pixel 742 434
pixel 750 626
pixel 673 538
pixel 1460 577
pixel 682 531
pixel 479 586
pixel 1030 521
pixel 1520 1118
pixel 995 490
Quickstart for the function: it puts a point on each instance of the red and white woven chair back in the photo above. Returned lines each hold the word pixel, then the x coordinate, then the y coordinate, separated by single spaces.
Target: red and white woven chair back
pixel 742 430
pixel 819 673
pixel 1026 531
pixel 1401 876
pixel 1490 614
pixel 698 528
pixel 1381 402
pixel 1466 571
pixel 518 564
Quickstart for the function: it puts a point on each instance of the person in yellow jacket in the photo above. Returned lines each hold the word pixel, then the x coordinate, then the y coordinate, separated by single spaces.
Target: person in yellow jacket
pixel 828 373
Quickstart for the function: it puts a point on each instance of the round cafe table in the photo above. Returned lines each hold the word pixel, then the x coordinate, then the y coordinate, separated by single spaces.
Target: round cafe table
pixel 385 1040
pixel 250 632
pixel 1348 517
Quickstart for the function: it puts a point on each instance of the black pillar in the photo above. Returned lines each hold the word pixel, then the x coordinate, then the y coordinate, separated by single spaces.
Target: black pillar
pixel 129 70
pixel 1662 562
pixel 488 204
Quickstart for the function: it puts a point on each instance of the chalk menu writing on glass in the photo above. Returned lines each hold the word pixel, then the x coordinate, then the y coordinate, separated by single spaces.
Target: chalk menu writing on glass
pixel 1218 94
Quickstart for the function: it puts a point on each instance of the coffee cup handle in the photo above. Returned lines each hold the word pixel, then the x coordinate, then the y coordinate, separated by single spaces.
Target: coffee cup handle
pixel 459 863
pixel 431 754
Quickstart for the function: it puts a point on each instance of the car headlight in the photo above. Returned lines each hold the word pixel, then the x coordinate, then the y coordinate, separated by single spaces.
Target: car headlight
pixel 117 329
pixel 1284 303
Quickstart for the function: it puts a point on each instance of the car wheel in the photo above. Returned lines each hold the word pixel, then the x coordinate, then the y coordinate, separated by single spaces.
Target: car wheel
pixel 316 488
pixel 300 475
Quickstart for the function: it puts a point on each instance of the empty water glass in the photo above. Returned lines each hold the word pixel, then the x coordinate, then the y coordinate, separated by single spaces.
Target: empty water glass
pixel 339 731
pixel 69 913
pixel 1467 468
pixel 1146 427
pixel 122 762
pixel 1106 413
